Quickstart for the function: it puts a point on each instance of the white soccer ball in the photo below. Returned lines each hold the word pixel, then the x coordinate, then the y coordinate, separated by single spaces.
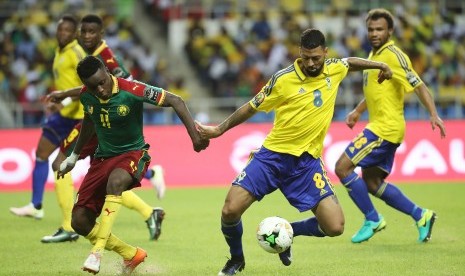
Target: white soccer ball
pixel 275 234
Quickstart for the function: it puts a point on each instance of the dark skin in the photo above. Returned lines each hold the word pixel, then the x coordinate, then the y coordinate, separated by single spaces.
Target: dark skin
pixel 100 84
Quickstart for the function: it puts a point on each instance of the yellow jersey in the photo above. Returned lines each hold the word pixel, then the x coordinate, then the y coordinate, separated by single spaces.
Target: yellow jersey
pixel 65 75
pixel 385 101
pixel 304 107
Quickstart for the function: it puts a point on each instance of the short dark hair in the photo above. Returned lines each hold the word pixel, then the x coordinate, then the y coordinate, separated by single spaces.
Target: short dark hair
pixel 70 18
pixel 312 38
pixel 92 18
pixel 89 66
pixel 376 14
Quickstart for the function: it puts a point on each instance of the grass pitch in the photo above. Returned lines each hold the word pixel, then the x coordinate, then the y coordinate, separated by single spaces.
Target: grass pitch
pixel 192 244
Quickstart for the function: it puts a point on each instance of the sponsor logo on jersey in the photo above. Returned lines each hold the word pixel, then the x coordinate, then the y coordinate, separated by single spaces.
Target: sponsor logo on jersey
pixel 151 93
pixel 118 72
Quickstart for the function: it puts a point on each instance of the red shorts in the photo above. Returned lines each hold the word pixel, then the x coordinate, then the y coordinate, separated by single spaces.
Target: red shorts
pixel 91 194
pixel 69 142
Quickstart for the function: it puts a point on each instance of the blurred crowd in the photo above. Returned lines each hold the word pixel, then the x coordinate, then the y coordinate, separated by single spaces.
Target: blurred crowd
pixel 238 62
pixel 232 63
pixel 27 43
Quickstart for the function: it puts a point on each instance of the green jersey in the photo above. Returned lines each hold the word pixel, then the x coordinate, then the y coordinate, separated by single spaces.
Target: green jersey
pixel 118 121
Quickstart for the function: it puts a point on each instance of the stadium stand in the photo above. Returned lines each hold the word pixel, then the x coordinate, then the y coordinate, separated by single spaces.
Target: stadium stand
pixel 231 46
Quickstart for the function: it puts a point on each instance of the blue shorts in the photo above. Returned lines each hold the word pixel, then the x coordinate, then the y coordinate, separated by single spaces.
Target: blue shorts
pixel 56 127
pixel 368 150
pixel 302 180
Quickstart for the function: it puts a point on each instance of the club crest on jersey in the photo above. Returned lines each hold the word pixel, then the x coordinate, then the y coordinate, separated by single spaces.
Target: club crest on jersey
pixel 90 109
pixel 328 83
pixel 258 99
pixel 122 110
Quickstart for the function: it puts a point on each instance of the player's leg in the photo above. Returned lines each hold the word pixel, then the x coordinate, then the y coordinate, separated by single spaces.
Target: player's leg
pixel 157 178
pixel 64 190
pixel 393 196
pixel 366 150
pixel 153 217
pixel 237 201
pixel 44 149
pixel 355 187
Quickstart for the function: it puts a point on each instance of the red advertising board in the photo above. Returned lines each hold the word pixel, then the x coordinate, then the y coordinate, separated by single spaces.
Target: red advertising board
pixel 423 157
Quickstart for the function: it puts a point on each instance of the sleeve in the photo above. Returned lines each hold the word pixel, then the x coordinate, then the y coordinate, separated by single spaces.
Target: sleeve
pixel 269 96
pixel 150 94
pixel 403 72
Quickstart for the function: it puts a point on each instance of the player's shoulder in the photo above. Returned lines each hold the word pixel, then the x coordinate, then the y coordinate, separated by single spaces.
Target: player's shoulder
pixel 337 62
pixel 131 86
pixel 284 73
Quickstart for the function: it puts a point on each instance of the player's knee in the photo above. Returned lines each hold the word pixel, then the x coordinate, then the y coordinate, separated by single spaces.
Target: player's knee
pixel 340 170
pixel 229 215
pixel 335 229
pixel 81 222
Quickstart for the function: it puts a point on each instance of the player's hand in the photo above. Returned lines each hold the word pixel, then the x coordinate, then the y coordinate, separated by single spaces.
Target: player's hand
pixel 55 96
pixel 384 74
pixel 207 132
pixel 67 165
pixel 352 118
pixel 53 107
pixel 201 144
pixel 437 122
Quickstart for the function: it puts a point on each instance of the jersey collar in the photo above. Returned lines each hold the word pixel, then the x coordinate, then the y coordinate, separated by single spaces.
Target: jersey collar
pixel 301 74
pixel 115 88
pixel 387 44
pixel 68 46
pixel 100 48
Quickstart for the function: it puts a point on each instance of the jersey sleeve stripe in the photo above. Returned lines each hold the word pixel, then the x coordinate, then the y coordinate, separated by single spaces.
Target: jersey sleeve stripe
pixel 401 58
pixel 276 76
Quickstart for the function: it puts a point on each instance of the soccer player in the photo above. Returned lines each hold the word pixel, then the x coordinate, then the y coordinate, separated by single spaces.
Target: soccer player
pixel 374 148
pixel 303 97
pixel 91 33
pixel 113 111
pixel 61 121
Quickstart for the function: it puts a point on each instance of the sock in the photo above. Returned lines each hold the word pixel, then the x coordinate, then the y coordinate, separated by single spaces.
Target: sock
pixel 149 174
pixel 65 195
pixel 134 202
pixel 110 211
pixel 396 199
pixel 358 192
pixel 307 227
pixel 113 244
pixel 39 178
pixel 233 236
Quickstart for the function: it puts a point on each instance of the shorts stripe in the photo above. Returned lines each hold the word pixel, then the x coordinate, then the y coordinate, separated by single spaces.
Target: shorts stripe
pixel 366 151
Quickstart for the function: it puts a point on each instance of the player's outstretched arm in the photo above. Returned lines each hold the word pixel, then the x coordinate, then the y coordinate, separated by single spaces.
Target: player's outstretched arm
pixel 358 64
pixel 239 116
pixel 180 107
pixel 427 100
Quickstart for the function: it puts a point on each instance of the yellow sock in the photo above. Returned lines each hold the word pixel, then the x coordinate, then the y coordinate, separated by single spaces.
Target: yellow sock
pixel 134 202
pixel 109 213
pixel 64 189
pixel 114 244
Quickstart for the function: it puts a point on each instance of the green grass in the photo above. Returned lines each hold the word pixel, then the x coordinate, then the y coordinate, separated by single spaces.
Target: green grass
pixel 192 244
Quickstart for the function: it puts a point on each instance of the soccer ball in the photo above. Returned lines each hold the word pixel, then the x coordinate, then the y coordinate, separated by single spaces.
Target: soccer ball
pixel 275 234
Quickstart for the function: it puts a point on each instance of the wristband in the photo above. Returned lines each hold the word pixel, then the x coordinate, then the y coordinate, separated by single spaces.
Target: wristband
pixel 66 101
